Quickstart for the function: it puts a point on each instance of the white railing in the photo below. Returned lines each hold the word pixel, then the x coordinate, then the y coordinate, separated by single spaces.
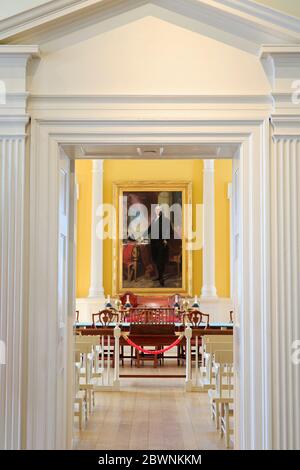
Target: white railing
pixel 188 358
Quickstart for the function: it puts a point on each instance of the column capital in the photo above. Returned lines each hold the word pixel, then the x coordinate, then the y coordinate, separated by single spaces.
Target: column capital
pixel 281 64
pixel 13 86
pixel 13 63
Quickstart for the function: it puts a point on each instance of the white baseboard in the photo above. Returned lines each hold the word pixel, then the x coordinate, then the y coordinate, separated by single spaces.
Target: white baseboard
pixel 87 306
pixel 218 309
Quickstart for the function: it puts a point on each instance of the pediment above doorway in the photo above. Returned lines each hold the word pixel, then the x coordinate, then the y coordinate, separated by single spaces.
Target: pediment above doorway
pixel 244 24
pixel 142 47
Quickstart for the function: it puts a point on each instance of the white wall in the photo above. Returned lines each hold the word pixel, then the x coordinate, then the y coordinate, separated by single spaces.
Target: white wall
pixel 145 51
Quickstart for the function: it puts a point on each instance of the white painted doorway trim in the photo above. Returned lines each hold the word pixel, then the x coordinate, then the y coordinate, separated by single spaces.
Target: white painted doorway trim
pixel 252 327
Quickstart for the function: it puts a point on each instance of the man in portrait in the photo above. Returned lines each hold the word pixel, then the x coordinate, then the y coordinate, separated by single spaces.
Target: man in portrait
pixel 160 231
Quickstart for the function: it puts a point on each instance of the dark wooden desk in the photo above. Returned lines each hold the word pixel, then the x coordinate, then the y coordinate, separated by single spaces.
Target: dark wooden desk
pixel 155 340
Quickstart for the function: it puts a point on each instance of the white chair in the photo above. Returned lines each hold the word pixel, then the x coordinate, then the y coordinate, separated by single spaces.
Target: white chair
pixel 221 398
pixel 87 381
pixel 94 341
pixel 210 344
pixel 80 407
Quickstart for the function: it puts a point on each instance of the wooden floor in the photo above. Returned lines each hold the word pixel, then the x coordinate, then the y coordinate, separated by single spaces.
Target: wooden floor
pixel 150 414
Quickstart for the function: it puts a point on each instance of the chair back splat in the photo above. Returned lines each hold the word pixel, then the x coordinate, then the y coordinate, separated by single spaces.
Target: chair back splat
pixel 195 318
pixel 150 315
pixel 105 317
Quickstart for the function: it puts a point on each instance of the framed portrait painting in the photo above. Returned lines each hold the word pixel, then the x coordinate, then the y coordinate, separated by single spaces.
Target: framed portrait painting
pixel 150 252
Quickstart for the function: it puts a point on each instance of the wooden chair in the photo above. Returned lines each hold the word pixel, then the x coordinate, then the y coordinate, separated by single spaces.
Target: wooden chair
pixel 105 317
pixel 133 299
pixel 205 319
pixel 151 315
pixel 140 330
pixel 195 318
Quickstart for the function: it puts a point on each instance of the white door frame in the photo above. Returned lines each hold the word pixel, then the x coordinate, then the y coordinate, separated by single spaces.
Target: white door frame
pixel 252 328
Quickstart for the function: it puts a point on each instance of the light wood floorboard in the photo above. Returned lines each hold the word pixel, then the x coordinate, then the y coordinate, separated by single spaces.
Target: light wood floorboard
pixel 150 414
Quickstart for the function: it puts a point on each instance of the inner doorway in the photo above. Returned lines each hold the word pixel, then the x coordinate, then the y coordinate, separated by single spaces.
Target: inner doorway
pixel 219 315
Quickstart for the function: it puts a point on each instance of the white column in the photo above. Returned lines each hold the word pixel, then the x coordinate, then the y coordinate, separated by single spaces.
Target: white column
pixel 12 177
pixel 13 242
pixel 282 66
pixel 229 196
pixel 285 267
pixel 96 283
pixel 209 289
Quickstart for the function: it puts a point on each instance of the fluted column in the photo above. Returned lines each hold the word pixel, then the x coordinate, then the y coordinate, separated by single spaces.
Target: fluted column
pixel 13 242
pixel 282 66
pixel 96 283
pixel 12 322
pixel 285 259
pixel 209 289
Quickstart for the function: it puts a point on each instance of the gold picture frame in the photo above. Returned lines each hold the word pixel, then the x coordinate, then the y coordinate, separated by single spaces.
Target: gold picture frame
pixel 121 187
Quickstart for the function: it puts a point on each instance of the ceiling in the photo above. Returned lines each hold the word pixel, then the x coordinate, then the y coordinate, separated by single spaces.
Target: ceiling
pixel 107 151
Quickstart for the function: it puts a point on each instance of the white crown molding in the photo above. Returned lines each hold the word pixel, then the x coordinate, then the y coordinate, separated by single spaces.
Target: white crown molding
pixel 40 15
pixel 14 104
pixel 47 14
pixel 13 126
pixel 286 127
pixel 226 99
pixel 146 102
pixel 243 17
pixel 281 63
pixel 287 51
pixel 11 51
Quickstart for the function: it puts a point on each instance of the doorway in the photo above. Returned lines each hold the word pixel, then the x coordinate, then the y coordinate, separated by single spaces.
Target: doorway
pixel 244 140
pixel 139 374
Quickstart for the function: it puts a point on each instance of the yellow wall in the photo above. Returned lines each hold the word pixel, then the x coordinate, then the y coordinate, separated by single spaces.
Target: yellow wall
pixel 84 222
pixel 223 176
pixel 189 170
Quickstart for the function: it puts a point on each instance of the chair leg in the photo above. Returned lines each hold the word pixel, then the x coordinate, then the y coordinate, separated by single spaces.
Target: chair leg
pixel 131 355
pixel 86 409
pixel 222 418
pixel 217 416
pixel 212 412
pixel 122 355
pixel 90 400
pixel 227 430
